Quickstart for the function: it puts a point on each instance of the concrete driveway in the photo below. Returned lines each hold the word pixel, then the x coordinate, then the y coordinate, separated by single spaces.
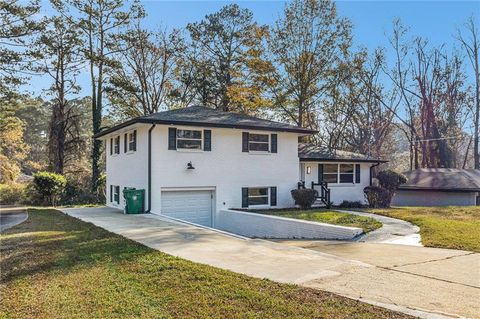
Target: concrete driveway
pixel 427 282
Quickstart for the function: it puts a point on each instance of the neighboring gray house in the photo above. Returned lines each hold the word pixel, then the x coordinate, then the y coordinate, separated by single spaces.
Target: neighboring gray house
pixel 439 187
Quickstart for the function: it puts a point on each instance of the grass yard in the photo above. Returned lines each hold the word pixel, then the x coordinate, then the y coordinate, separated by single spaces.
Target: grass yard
pixel 55 266
pixel 445 227
pixel 328 216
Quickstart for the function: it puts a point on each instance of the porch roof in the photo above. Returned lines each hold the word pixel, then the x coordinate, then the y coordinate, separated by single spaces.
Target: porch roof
pixel 314 153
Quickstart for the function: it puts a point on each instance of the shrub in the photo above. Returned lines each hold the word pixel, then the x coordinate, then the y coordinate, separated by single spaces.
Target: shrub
pixel 304 197
pixel 351 204
pixel 49 186
pixel 75 193
pixel 377 197
pixel 11 194
pixel 390 180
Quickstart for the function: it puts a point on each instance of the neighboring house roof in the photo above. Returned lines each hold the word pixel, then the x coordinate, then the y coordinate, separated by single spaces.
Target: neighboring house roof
pixel 309 152
pixel 443 179
pixel 208 117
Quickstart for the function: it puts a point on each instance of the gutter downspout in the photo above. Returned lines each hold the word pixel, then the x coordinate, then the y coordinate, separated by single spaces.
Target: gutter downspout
pixel 371 172
pixel 149 194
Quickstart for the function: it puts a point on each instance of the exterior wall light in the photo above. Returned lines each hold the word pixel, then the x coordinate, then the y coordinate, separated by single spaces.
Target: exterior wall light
pixel 190 165
pixel 309 169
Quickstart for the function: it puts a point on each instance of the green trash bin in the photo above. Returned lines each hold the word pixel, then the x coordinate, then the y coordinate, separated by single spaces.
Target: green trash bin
pixel 134 199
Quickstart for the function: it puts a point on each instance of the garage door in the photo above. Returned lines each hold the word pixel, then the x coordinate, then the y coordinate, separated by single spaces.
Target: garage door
pixel 191 206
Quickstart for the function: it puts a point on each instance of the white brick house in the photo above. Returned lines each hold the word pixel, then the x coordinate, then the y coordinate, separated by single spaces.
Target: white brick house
pixel 196 161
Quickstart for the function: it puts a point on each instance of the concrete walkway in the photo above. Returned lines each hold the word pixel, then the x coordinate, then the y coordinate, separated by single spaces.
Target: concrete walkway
pixel 11 216
pixel 393 231
pixel 409 288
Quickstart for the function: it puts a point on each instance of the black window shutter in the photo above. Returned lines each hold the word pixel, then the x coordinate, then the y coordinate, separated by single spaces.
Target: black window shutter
pixel 245 142
pixel 111 193
pixel 172 138
pixel 135 140
pixel 207 140
pixel 111 146
pixel 125 146
pixel 273 196
pixel 244 197
pixel 357 173
pixel 117 191
pixel 320 173
pixel 273 143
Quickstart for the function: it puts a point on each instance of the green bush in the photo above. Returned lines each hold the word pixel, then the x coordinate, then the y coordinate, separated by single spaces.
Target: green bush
pixel 377 197
pixel 304 197
pixel 77 194
pixel 11 194
pixel 49 186
pixel 351 204
pixel 390 180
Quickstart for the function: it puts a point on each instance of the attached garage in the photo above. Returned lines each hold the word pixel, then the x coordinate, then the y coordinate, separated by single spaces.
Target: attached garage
pixel 194 206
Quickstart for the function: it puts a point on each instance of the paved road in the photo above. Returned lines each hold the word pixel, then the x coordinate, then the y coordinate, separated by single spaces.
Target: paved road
pixel 393 231
pixel 426 282
pixel 12 216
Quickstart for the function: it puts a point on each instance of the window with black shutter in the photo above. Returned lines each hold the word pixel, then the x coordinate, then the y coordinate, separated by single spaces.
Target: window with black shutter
pixel 357 173
pixel 273 196
pixel 172 138
pixel 131 141
pixel 125 137
pixel 244 197
pixel 111 146
pixel 245 142
pixel 116 145
pixel 207 140
pixel 273 141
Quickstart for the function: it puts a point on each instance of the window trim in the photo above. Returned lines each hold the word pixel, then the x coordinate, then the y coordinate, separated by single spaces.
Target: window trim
pixel 131 143
pixel 115 195
pixel 116 151
pixel 268 142
pixel 338 174
pixel 201 139
pixel 259 196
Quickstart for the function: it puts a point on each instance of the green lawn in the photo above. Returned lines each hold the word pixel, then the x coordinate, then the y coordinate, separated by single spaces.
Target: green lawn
pixel 328 216
pixel 445 227
pixel 55 266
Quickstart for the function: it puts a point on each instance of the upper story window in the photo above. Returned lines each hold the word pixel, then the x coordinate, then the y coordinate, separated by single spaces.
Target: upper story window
pixel 258 142
pixel 132 141
pixel 116 145
pixel 189 139
pixel 338 173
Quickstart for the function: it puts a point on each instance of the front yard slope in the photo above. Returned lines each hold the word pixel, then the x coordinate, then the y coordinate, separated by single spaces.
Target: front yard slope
pixel 55 266
pixel 454 227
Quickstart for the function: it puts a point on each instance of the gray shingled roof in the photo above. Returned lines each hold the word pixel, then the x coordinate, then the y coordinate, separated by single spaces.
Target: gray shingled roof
pixel 309 152
pixel 443 179
pixel 208 117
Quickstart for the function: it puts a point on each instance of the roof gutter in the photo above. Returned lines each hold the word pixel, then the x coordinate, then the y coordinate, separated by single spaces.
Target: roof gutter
pixel 205 124
pixel 149 194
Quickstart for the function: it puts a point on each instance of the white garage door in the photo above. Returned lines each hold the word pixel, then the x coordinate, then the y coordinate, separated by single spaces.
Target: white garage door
pixel 192 206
